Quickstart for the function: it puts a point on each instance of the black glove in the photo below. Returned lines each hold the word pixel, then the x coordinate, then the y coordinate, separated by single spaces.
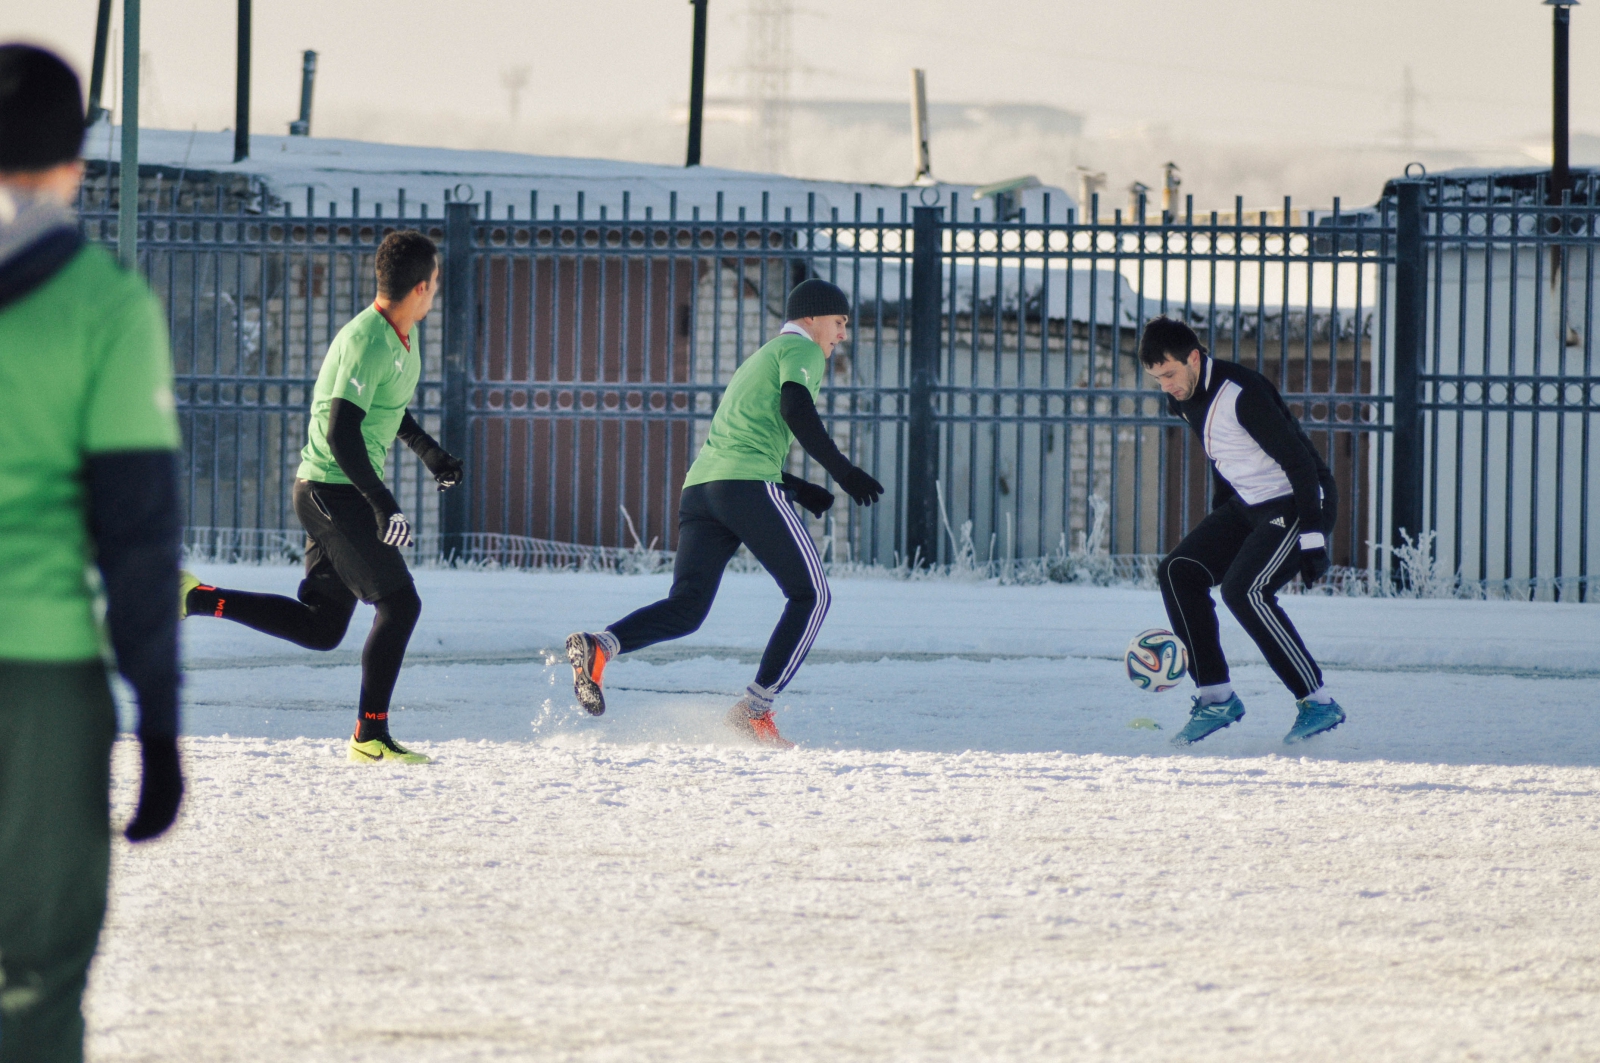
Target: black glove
pixel 860 486
pixel 446 467
pixel 813 498
pixel 1313 564
pixel 160 789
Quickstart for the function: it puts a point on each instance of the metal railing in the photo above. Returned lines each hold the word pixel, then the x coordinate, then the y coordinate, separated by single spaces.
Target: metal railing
pixel 989 381
pixel 1508 396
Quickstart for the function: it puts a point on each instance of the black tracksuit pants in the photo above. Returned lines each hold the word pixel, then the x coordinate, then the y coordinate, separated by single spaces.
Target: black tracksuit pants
pixel 345 562
pixel 1251 552
pixel 713 519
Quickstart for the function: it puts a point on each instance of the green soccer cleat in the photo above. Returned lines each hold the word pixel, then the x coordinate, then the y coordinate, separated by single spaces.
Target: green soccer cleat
pixel 1313 718
pixel 1208 719
pixel 187 581
pixel 385 748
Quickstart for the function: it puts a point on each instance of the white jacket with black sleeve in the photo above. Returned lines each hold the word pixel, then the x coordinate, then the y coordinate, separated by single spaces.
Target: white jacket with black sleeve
pixel 1257 448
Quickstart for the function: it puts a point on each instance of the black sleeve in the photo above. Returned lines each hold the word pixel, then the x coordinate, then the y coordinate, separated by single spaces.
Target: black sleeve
pixel 1272 426
pixel 1221 490
pixel 413 436
pixel 350 451
pixel 800 414
pixel 137 531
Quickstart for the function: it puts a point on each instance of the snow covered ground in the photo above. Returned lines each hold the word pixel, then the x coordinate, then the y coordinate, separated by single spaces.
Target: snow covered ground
pixel 972 856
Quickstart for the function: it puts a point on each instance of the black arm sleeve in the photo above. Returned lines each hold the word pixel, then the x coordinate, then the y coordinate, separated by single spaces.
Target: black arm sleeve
pixel 350 451
pixel 137 531
pixel 800 414
pixel 412 435
pixel 1272 426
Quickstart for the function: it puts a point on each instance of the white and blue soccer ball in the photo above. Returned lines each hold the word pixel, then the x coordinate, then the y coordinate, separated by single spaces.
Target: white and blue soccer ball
pixel 1157 660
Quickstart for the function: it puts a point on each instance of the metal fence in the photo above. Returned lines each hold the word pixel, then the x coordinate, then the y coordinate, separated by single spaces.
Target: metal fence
pixel 1508 398
pixel 989 380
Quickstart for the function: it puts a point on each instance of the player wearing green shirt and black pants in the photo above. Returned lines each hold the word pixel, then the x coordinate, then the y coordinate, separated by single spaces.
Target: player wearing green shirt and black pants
pixel 89 488
pixel 737 492
pixel 354 526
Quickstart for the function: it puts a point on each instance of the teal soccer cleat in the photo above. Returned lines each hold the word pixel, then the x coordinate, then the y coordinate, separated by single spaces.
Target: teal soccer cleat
pixel 1205 719
pixel 1313 719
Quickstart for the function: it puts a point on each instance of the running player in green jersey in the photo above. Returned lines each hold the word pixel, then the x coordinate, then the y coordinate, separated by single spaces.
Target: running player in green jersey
pixel 736 492
pixel 90 483
pixel 354 526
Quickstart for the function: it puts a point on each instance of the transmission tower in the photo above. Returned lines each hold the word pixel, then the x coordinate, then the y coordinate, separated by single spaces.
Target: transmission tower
pixel 769 64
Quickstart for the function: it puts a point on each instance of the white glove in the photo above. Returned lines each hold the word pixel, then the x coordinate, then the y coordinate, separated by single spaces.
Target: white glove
pixel 398 533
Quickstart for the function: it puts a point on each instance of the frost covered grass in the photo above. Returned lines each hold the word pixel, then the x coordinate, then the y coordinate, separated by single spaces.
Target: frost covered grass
pixel 973 855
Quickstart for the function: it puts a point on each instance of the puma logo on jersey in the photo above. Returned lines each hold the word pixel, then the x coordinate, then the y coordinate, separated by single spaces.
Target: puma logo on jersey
pixel 397 365
pixel 1277 522
pixel 806 373
pixel 358 385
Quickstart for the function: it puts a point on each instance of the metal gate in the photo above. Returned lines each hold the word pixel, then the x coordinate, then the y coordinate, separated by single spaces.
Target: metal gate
pixel 1438 348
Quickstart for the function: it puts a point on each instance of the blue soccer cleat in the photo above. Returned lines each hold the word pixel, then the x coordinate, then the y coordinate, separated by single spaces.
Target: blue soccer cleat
pixel 1206 719
pixel 1314 717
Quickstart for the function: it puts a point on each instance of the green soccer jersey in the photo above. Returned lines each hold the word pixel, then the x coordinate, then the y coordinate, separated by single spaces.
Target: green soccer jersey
pixel 366 365
pixel 749 439
pixel 85 369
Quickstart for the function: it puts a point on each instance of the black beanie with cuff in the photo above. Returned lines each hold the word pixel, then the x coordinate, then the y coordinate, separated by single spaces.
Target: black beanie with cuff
pixel 41 109
pixel 816 298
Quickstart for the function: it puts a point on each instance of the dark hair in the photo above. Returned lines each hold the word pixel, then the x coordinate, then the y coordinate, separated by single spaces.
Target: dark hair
pixel 405 259
pixel 41 109
pixel 1164 336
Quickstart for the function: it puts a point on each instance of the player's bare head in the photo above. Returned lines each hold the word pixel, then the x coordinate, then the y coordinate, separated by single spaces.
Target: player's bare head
pixel 1165 338
pixel 41 122
pixel 405 259
pixel 1172 356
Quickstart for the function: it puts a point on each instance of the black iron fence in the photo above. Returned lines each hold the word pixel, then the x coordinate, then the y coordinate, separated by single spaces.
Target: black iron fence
pixel 1437 348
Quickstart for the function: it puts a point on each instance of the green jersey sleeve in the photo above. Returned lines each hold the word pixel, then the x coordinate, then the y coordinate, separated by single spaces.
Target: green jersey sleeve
pixel 361 371
pixel 130 404
pixel 801 362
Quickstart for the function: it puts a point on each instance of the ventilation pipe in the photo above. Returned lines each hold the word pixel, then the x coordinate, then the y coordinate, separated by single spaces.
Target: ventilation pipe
pixel 920 155
pixel 301 127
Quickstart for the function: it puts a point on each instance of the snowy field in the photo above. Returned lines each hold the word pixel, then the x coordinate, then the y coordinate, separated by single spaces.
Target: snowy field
pixel 973 855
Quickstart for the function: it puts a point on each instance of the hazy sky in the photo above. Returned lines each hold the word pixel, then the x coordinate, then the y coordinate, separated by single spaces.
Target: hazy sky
pixel 1260 71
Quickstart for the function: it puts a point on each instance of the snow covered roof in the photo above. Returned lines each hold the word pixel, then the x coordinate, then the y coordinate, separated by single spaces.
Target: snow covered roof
pixel 289 167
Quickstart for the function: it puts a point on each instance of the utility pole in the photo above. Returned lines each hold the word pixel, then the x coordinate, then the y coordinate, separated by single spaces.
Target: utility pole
pixel 128 192
pixel 97 76
pixel 241 99
pixel 697 82
pixel 921 150
pixel 1560 170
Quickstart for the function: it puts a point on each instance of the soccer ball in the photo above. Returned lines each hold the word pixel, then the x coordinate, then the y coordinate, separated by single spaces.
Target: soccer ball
pixel 1157 660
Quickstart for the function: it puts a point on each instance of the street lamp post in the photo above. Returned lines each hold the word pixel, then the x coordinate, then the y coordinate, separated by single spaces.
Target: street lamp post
pixel 1560 168
pixel 697 82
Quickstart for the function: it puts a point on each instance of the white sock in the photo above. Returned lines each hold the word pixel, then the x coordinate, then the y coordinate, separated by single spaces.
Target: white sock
pixel 757 699
pixel 1320 696
pixel 1215 694
pixel 608 642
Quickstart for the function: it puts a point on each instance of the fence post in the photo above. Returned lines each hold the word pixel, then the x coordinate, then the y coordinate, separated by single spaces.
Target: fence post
pixel 922 432
pixel 460 311
pixel 1410 344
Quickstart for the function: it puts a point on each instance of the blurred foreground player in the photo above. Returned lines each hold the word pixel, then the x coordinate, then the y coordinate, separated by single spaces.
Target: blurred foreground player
pixel 1274 503
pixel 354 526
pixel 89 481
pixel 737 492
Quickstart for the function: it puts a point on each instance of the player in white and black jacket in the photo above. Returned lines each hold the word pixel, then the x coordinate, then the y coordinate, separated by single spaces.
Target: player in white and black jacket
pixel 1273 505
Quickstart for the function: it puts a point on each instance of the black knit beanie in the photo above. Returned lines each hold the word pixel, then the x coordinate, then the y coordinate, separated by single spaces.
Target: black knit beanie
pixel 816 298
pixel 41 109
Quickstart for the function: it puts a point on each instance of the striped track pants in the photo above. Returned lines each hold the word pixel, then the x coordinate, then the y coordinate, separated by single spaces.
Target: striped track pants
pixel 1251 552
pixel 713 520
